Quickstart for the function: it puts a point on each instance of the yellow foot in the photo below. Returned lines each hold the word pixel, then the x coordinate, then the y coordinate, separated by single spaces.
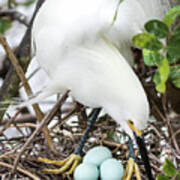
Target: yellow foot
pixel 68 165
pixel 131 168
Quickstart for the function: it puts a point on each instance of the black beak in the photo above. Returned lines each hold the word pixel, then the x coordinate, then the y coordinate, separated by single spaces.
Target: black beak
pixel 144 155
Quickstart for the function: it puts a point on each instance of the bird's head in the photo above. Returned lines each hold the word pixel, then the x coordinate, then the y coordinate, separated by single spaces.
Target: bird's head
pixel 138 122
pixel 137 131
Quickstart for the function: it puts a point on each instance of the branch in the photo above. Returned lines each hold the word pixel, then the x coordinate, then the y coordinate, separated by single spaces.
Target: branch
pixel 27 88
pixel 16 65
pixel 15 15
pixel 10 85
pixel 27 173
pixel 45 121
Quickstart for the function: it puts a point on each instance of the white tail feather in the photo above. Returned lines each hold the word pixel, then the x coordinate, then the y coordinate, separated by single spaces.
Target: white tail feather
pixel 40 97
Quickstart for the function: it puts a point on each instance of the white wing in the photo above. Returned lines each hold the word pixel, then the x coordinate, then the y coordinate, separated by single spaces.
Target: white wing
pixel 63 23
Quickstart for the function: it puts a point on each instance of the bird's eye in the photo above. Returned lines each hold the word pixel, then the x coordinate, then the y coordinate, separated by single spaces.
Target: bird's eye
pixel 130 122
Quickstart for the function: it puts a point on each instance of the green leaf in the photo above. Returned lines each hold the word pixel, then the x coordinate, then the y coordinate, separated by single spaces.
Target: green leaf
pixel 164 70
pixel 175 75
pixel 171 16
pixel 177 31
pixel 161 87
pixel 148 41
pixel 178 176
pixel 173 46
pixel 5 24
pixel 161 177
pixel 169 169
pixel 158 28
pixel 161 76
pixel 157 78
pixel 152 58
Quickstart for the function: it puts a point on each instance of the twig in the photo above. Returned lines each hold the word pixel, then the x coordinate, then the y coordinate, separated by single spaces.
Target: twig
pixel 23 125
pixel 177 132
pixel 10 121
pixel 115 144
pixel 30 118
pixel 15 15
pixel 15 63
pixel 172 135
pixel 25 118
pixel 27 173
pixel 158 111
pixel 12 152
pixel 27 88
pixel 11 82
pixel 157 132
pixel 45 120
pixel 65 119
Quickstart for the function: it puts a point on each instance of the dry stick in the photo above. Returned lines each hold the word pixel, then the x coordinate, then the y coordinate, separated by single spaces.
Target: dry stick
pixel 9 153
pixel 177 132
pixel 9 122
pixel 15 15
pixel 48 117
pixel 167 120
pixel 65 119
pixel 172 136
pixel 27 173
pixel 24 125
pixel 11 82
pixel 27 88
pixel 25 118
pixel 30 118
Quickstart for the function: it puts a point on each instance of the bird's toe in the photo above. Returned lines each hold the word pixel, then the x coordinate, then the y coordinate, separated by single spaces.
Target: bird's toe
pixel 68 165
pixel 131 168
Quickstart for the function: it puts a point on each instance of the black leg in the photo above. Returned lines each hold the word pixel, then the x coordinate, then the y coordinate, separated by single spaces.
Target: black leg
pixel 130 147
pixel 143 151
pixel 93 118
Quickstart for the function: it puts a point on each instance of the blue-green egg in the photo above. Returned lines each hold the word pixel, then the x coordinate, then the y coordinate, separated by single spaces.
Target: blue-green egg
pixel 86 172
pixel 97 155
pixel 111 169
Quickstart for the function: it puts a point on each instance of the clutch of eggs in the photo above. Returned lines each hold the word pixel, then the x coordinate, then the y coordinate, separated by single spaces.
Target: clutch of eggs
pixel 98 162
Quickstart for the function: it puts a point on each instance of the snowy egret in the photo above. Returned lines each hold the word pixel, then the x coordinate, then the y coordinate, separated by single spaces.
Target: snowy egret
pixel 84 46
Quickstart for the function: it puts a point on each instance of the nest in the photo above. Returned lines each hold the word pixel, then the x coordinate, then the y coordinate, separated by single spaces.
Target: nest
pixel 66 135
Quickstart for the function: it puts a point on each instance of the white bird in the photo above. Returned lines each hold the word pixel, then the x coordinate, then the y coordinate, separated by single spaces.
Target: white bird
pixel 67 42
pixel 84 47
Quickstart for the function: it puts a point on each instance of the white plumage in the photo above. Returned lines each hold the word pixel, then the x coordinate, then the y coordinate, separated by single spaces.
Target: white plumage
pixel 71 41
pixel 38 78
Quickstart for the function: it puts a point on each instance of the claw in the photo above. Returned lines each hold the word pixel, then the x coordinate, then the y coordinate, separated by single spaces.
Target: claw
pixel 68 165
pixel 131 168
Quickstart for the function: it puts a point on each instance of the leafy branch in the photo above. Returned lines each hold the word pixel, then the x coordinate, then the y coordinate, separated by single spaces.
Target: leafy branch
pixel 170 171
pixel 161 48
